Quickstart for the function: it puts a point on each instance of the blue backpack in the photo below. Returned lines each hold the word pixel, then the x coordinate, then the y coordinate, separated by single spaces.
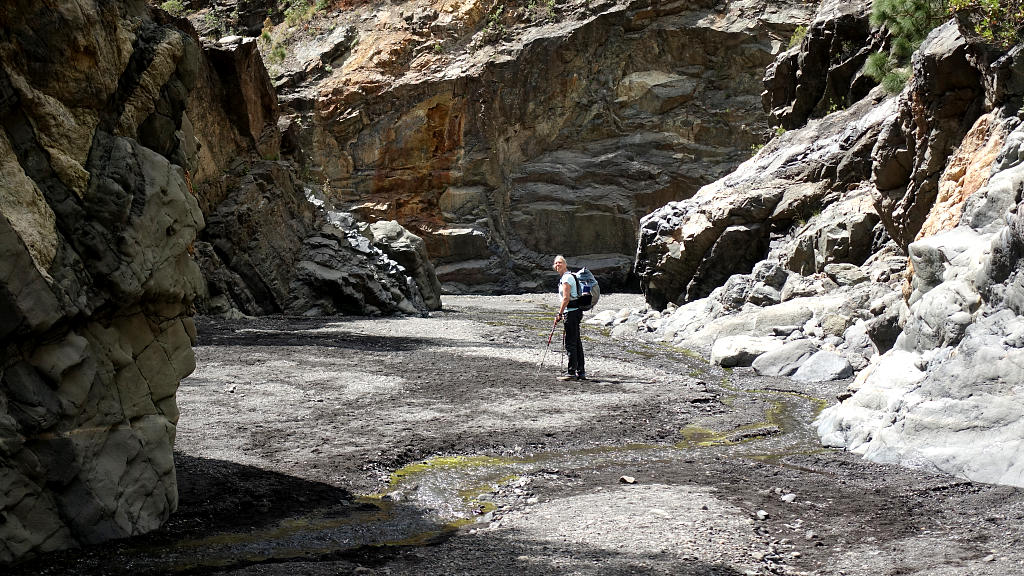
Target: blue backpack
pixel 587 288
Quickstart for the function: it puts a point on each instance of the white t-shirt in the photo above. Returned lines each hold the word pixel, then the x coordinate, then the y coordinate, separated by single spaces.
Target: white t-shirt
pixel 568 278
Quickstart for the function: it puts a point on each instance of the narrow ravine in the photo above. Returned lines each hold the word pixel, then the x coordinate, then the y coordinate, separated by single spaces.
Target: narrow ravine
pixel 443 445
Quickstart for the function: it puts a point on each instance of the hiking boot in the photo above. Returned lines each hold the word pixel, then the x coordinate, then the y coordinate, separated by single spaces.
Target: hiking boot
pixel 567 377
pixel 581 376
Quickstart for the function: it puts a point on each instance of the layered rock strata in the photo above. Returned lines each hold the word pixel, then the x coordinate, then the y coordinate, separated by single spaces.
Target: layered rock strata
pixel 97 229
pixel 503 134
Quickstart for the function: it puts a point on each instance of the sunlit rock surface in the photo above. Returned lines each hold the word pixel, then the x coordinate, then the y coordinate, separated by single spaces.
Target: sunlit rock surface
pixel 503 134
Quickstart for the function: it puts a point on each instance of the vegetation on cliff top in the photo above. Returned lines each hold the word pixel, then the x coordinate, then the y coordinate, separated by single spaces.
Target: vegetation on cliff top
pixel 909 22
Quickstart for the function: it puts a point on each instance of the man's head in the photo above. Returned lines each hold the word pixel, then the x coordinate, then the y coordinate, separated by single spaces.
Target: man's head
pixel 560 266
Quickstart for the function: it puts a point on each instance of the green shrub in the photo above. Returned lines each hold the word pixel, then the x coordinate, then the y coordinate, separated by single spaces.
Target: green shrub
pixel 173 7
pixel 298 12
pixel 277 54
pixel 909 22
pixel 798 36
pixel 997 21
pixel 211 19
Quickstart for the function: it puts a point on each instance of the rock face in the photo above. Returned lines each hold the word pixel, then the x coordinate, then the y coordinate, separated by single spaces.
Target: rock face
pixel 823 72
pixel 932 176
pixel 271 244
pixel 944 98
pixel 503 135
pixel 811 182
pixel 98 223
pixel 948 394
pixel 122 137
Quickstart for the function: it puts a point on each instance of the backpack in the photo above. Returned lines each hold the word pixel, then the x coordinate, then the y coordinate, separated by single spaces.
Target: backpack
pixel 587 288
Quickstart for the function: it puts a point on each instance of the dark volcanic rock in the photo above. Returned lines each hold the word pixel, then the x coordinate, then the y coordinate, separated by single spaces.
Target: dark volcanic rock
pixel 942 100
pixel 270 245
pixel 823 73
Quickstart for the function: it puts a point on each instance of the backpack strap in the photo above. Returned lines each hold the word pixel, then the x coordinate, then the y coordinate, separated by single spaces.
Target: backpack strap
pixel 575 302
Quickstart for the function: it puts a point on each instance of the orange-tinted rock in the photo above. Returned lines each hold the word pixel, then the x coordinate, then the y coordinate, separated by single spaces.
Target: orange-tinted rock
pixel 968 170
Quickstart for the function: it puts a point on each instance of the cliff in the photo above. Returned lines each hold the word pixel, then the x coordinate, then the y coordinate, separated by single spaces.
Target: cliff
pixel 123 135
pixel 506 133
pixel 878 238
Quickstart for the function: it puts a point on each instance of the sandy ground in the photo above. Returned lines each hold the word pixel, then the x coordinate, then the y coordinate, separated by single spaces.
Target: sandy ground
pixel 443 445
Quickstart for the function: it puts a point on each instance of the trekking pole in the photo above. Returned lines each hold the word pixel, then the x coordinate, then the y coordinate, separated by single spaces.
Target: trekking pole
pixel 542 358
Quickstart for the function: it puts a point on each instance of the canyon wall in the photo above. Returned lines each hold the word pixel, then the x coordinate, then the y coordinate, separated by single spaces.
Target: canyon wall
pixel 881 238
pixel 123 135
pixel 506 133
pixel 97 229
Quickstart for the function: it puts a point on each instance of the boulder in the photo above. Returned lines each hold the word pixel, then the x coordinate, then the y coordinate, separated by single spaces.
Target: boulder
pixel 733 351
pixel 786 360
pixel 409 251
pixel 823 366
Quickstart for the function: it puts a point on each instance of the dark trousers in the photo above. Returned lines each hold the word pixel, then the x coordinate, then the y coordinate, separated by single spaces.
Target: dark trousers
pixel 573 342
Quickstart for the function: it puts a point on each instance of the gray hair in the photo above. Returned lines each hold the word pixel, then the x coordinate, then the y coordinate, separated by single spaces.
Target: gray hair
pixel 560 258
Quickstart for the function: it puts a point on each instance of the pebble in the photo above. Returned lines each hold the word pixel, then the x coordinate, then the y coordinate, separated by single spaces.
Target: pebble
pixel 788 498
pixel 762 515
pixel 989 558
pixel 811 535
pixel 627 480
pixel 533 500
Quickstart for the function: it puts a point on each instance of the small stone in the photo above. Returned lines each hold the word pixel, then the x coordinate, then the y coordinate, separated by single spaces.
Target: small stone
pixel 989 558
pixel 811 535
pixel 533 500
pixel 795 554
pixel 788 498
pixel 627 480
pixel 762 515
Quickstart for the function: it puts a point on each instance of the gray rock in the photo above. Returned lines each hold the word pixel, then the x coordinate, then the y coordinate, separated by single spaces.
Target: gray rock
pixel 741 350
pixel 97 221
pixel 883 329
pixel 845 274
pixel 409 251
pixel 786 360
pixel 823 366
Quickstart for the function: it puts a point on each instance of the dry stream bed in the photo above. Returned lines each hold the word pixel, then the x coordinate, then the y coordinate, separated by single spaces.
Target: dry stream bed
pixel 441 446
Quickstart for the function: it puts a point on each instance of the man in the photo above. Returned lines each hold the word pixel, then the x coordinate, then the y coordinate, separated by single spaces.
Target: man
pixel 572 315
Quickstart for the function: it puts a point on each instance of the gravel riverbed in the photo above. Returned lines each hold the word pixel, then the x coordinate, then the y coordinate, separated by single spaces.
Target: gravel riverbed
pixel 443 445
